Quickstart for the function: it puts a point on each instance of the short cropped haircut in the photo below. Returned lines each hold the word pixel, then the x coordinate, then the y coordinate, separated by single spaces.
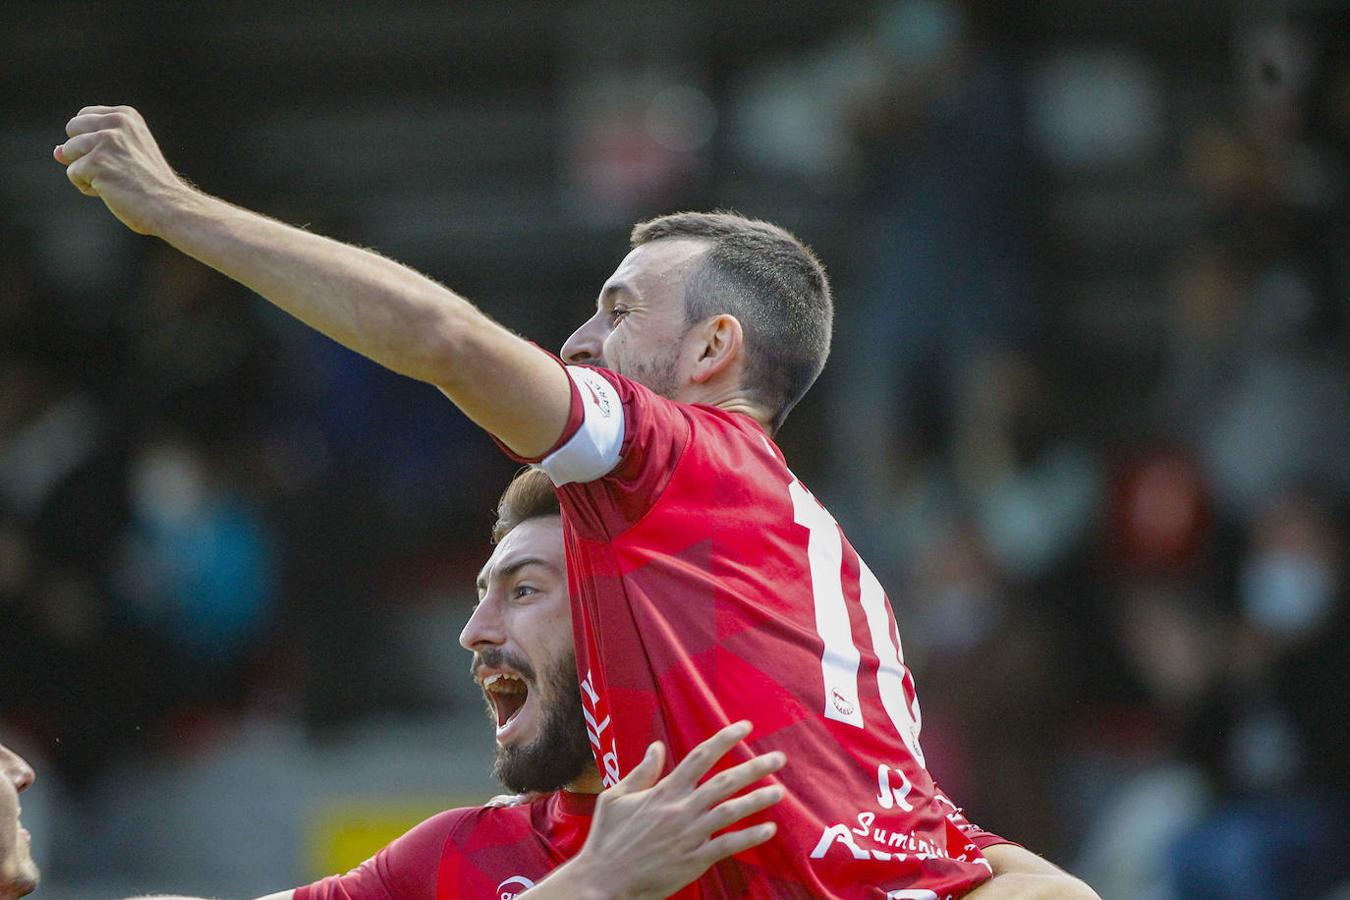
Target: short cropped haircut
pixel 529 496
pixel 773 284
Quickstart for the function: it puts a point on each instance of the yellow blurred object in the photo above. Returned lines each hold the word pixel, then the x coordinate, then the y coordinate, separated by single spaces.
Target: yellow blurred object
pixel 344 833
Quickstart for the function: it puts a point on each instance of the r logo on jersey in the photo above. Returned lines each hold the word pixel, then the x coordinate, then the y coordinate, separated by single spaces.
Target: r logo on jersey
pixel 513 887
pixel 841 703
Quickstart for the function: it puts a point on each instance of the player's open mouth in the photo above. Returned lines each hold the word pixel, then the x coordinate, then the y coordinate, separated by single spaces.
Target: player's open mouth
pixel 507 694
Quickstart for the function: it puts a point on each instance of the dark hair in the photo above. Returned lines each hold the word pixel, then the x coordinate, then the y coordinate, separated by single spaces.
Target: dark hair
pixel 772 283
pixel 529 496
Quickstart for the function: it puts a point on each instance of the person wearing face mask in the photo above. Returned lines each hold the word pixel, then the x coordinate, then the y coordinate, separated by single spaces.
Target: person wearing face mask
pixel 1273 735
pixel 18 872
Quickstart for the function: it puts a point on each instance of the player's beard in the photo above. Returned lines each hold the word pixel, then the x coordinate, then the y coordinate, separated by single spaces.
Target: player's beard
pixel 659 375
pixel 561 751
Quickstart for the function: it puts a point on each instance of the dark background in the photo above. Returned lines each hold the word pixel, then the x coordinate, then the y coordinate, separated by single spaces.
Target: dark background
pixel 1086 412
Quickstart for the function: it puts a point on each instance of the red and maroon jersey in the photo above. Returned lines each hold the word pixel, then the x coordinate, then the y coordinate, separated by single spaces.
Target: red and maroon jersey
pixel 708 585
pixel 478 852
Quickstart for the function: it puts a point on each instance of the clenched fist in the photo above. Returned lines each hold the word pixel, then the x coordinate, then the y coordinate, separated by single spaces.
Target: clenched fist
pixel 112 155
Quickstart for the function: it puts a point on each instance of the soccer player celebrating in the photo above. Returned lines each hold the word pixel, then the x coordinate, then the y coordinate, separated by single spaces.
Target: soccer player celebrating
pixel 18 872
pixel 638 842
pixel 643 838
pixel 708 584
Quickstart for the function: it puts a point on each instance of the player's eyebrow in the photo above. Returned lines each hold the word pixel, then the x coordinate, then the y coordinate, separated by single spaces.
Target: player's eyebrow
pixel 611 291
pixel 514 566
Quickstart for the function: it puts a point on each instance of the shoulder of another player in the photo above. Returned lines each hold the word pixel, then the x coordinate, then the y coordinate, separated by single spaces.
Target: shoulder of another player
pixel 464 824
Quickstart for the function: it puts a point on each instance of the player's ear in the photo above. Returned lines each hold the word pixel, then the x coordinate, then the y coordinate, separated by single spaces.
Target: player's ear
pixel 719 345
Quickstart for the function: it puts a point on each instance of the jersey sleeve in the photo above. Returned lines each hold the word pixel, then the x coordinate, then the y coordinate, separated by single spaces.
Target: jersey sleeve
pixel 621 454
pixel 574 419
pixel 972 832
pixel 406 869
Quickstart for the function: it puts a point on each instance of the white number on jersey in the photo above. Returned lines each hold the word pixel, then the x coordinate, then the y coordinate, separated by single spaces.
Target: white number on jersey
pixel 840 658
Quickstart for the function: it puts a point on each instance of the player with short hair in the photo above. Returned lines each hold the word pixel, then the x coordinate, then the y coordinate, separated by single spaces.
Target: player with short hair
pixel 647 843
pixel 709 585
pixel 18 872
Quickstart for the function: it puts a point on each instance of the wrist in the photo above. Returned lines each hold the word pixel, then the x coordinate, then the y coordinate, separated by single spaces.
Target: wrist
pixel 576 879
pixel 589 881
pixel 174 208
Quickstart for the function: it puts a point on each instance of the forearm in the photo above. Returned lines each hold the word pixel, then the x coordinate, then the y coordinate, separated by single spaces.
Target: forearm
pixel 1020 874
pixel 385 311
pixel 375 306
pixel 1020 886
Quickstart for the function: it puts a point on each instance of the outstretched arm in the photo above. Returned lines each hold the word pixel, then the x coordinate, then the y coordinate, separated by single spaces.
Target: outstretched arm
pixel 377 307
pixel 650 838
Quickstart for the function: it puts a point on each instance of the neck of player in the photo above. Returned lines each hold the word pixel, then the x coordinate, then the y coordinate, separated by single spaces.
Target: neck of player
pixel 589 782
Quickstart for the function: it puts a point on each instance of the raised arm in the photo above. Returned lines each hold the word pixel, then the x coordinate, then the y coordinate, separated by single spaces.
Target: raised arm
pixel 377 307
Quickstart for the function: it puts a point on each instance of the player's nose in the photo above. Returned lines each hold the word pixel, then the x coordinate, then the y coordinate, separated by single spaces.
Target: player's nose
pixel 484 628
pixel 16 769
pixel 584 346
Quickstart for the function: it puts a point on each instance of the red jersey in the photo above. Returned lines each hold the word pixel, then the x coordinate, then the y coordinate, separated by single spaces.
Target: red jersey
pixel 708 585
pixel 476 852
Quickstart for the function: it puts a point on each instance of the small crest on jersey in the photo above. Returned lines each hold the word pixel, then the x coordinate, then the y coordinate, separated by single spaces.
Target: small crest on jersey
pixel 513 887
pixel 841 703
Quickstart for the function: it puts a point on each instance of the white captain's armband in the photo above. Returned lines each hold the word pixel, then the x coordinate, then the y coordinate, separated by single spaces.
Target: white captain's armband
pixel 593 451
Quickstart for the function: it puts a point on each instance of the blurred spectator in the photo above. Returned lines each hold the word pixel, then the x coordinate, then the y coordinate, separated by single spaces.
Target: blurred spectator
pixel 1012 469
pixel 1171 641
pixel 1272 734
pixel 196 563
pixel 943 272
pixel 1159 517
pixel 1256 371
pixel 986 668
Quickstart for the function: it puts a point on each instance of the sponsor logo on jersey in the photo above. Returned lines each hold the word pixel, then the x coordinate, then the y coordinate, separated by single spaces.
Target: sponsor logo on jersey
pixel 890 795
pixel 599 731
pixel 513 887
pixel 889 844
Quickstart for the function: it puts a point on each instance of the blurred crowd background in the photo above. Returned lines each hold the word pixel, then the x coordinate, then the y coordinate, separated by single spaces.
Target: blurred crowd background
pixel 1088 408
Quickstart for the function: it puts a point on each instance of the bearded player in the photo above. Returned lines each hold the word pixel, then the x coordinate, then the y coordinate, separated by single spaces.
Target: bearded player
pixel 586 846
pixel 647 843
pixel 521 638
pixel 708 584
